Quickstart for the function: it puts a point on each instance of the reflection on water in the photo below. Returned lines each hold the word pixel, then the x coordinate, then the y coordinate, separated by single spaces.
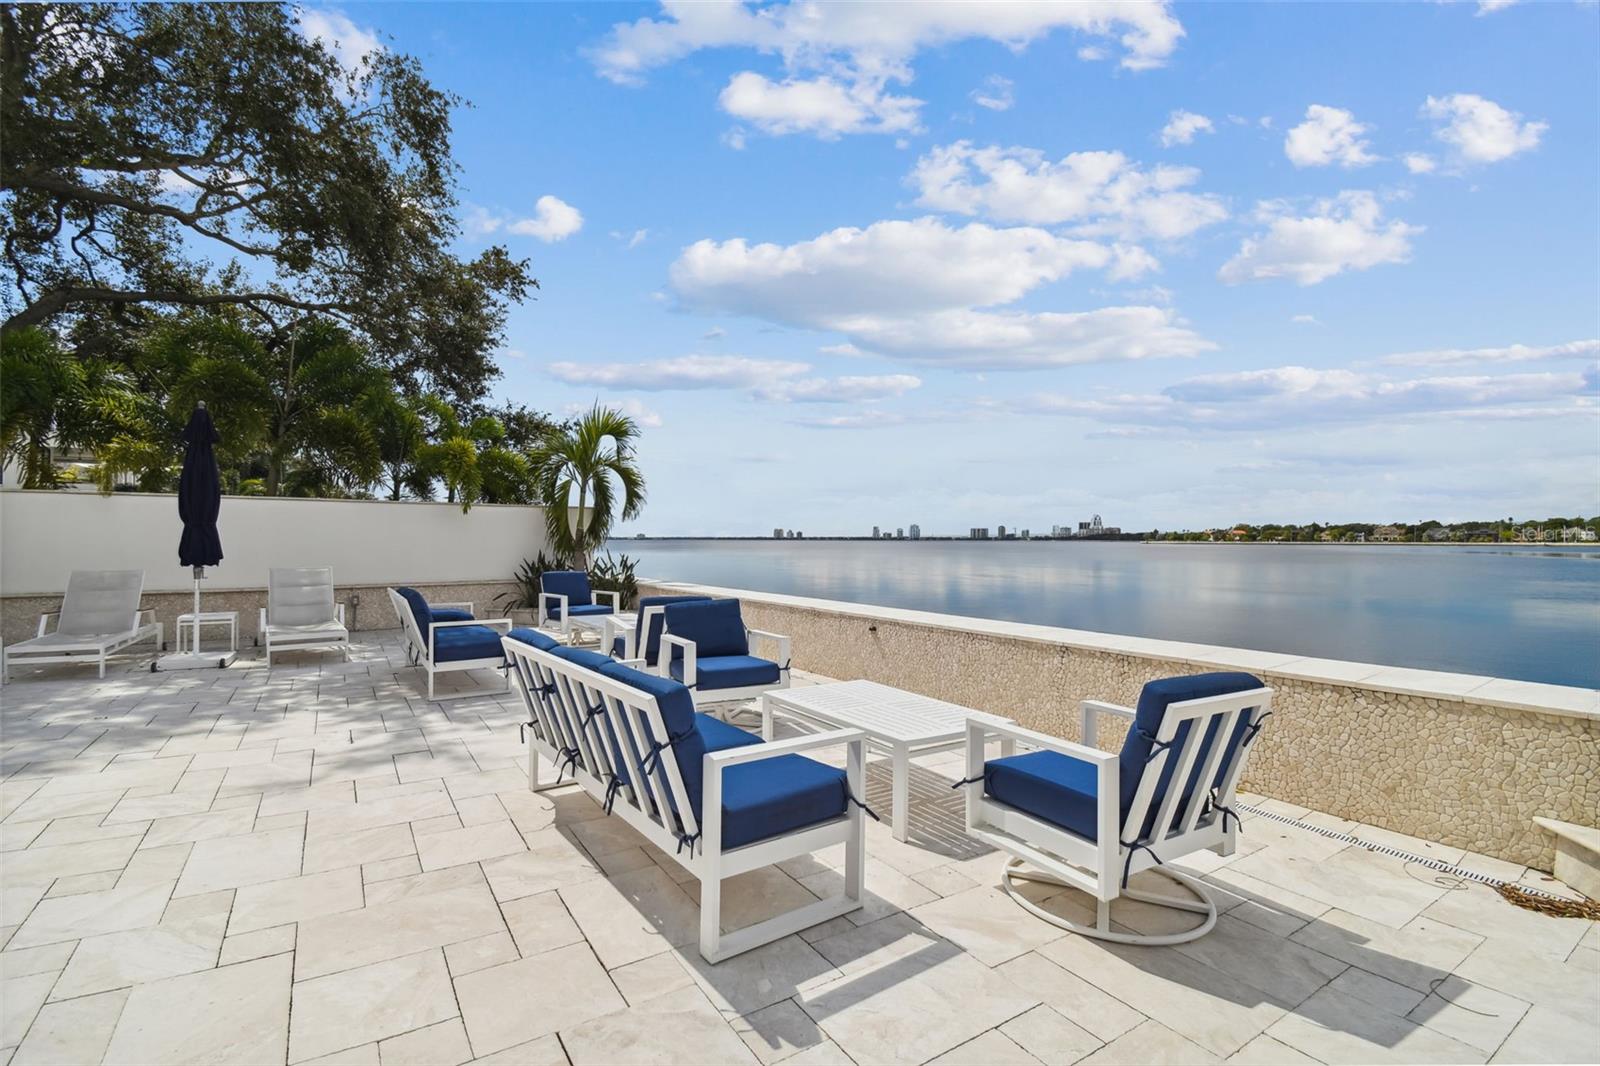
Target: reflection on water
pixel 1532 615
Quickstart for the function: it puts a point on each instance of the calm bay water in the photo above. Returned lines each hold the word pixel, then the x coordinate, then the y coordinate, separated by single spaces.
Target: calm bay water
pixel 1526 613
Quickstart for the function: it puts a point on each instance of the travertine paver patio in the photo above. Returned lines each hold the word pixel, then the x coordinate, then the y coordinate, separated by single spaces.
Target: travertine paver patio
pixel 314 864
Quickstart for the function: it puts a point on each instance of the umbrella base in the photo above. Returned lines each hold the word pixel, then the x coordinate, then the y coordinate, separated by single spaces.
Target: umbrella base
pixel 206 660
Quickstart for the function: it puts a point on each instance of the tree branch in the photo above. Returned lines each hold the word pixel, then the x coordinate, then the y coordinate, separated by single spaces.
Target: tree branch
pixel 59 299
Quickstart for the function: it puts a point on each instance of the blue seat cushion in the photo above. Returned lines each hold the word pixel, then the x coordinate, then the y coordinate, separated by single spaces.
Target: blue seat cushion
pixel 456 643
pixel 450 614
pixel 419 609
pixel 573 584
pixel 715 627
pixel 1052 787
pixel 534 638
pixel 730 671
pixel 586 609
pixel 777 796
pixel 1153 702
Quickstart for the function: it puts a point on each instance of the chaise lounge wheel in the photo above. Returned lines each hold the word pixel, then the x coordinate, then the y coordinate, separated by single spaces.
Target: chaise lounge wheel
pixel 1200 903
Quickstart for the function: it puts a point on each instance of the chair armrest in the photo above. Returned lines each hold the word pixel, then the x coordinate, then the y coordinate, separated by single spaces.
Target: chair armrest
pixel 141 613
pixel 1091 724
pixel 782 641
pixel 616 598
pixel 637 664
pixel 668 642
pixel 716 761
pixel 544 606
pixel 609 626
pixel 338 612
pixel 980 730
pixel 261 621
pixel 43 620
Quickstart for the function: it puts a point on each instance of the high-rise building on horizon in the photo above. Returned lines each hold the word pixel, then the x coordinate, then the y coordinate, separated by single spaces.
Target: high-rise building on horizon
pixel 874 532
pixel 916 531
pixel 778 533
pixel 979 533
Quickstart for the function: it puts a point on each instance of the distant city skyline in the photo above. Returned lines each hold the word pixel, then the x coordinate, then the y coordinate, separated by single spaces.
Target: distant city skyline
pixel 1173 263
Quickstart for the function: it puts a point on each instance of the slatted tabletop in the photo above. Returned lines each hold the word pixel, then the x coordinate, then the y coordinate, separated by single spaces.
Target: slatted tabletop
pixel 888 713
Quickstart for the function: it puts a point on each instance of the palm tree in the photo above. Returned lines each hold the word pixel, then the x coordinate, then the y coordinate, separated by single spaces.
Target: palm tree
pixel 583 461
pixel 53 399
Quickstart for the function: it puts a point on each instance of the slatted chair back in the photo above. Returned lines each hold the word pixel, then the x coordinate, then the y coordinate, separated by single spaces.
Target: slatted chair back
pixel 101 602
pixel 406 611
pixel 1191 765
pixel 610 735
pixel 300 596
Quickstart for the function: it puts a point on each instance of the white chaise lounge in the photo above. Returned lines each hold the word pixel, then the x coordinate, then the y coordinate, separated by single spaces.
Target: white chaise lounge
pixel 717 799
pixel 442 646
pixel 99 616
pixel 301 612
pixel 1070 814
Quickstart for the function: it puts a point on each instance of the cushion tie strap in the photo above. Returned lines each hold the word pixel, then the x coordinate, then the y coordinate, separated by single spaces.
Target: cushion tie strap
pixel 594 711
pixel 547 689
pixel 1156 746
pixel 684 839
pixel 965 781
pixel 850 797
pixel 569 759
pixel 1227 812
pixel 612 788
pixel 1134 848
pixel 1254 728
pixel 522 732
pixel 652 757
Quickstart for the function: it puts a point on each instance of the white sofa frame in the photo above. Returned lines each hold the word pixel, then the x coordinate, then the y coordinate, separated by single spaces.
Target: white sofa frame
pixel 422 645
pixel 709 697
pixel 1048 853
pixel 566 623
pixel 299 638
pixel 94 648
pixel 560 697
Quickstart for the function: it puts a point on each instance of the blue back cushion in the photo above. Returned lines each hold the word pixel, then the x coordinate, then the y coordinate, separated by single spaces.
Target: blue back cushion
pixel 573 584
pixel 650 647
pixel 419 609
pixel 589 660
pixel 677 713
pixel 715 626
pixel 534 638
pixel 1153 703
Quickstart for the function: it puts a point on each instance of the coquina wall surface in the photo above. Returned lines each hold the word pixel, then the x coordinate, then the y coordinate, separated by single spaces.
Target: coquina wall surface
pixel 370 544
pixel 1462 760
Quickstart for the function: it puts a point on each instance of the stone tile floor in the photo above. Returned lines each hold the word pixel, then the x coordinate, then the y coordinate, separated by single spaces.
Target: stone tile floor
pixel 314 864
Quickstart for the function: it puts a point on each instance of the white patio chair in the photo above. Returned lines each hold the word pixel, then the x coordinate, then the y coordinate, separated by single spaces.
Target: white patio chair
pixel 301 612
pixel 1072 815
pixel 99 616
pixel 441 647
pixel 707 646
pixel 717 799
pixel 568 603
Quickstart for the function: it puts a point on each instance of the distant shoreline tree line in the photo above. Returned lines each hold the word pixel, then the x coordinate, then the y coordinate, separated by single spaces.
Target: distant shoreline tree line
pixel 1487 531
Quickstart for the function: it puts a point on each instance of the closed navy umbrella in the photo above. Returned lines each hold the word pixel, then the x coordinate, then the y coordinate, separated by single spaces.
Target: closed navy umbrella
pixel 199 501
pixel 200 493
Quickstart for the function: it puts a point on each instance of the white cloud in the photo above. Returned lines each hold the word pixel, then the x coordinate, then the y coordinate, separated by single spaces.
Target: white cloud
pixel 1305 320
pixel 635 410
pixel 840 349
pixel 824 106
pixel 924 291
pixel 839 58
pixel 480 221
pixel 857 389
pixel 715 333
pixel 1328 135
pixel 631 240
pixel 1182 126
pixel 1419 162
pixel 553 220
pixel 1511 353
pixel 1346 232
pixel 1479 130
pixel 1300 397
pixel 684 372
pixel 996 93
pixel 1105 193
pixel 350 43
pixel 1489 7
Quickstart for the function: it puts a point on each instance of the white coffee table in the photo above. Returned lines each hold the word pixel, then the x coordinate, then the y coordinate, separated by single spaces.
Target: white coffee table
pixel 901 723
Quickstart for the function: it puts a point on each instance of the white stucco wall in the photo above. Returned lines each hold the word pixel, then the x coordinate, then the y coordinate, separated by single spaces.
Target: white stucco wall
pixel 44 535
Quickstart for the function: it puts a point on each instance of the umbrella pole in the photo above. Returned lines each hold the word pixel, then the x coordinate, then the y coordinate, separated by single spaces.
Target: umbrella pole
pixel 199 572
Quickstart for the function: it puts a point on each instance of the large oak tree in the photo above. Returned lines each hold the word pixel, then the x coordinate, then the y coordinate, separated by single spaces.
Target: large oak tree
pixel 214 154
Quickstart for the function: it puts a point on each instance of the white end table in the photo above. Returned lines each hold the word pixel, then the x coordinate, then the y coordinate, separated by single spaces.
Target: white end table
pixel 901 723
pixel 208 618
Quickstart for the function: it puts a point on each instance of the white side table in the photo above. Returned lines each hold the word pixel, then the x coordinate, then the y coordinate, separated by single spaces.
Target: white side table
pixel 208 618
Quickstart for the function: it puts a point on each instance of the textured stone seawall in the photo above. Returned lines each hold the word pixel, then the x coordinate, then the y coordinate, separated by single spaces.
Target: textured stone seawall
pixel 1464 761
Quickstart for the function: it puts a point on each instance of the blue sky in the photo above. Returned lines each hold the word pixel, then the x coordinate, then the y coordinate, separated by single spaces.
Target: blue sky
pixel 968 265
